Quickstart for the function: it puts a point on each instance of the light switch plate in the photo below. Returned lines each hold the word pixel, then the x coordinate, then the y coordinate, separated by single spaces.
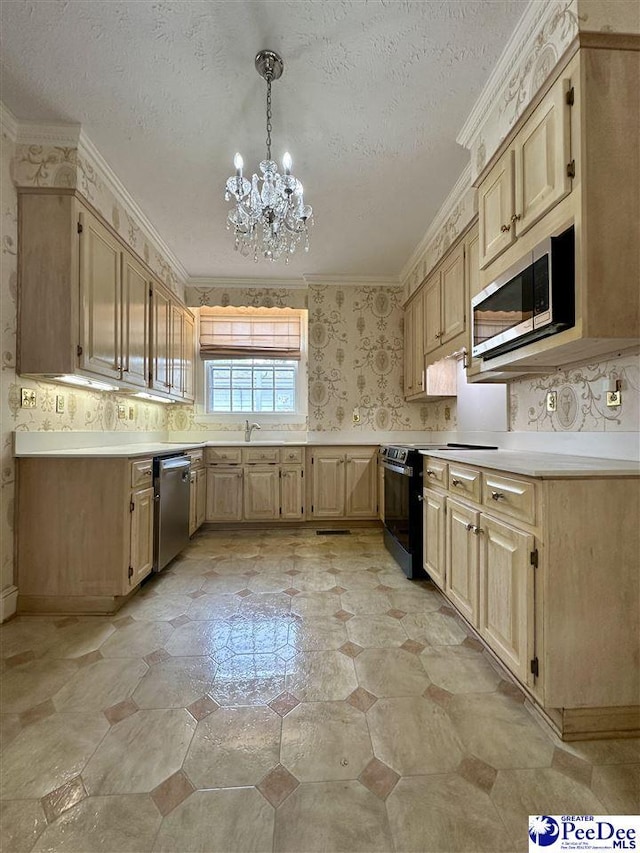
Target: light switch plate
pixel 59 403
pixel 27 398
pixel 356 416
pixel 122 411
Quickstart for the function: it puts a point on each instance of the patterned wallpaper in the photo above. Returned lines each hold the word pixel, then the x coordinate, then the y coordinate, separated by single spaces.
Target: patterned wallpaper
pixel 355 360
pixel 57 166
pixel 581 399
pixel 84 410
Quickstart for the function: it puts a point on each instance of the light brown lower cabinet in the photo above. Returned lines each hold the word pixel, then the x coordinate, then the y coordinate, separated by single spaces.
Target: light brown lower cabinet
pixel 545 570
pixel 197 498
pixel 84 532
pixel 224 493
pixel 344 482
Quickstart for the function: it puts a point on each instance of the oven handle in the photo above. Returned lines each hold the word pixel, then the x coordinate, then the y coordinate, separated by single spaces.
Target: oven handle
pixel 405 470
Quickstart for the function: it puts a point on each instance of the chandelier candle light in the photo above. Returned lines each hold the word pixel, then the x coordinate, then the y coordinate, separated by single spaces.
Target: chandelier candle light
pixel 270 219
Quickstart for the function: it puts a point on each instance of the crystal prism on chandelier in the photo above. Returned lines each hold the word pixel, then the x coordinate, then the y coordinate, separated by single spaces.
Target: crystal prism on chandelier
pixel 270 217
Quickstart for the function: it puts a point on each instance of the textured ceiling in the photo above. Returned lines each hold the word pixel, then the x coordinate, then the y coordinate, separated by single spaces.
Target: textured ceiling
pixel 369 105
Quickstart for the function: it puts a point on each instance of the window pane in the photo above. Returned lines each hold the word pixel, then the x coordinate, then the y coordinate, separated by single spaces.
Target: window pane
pixel 251 385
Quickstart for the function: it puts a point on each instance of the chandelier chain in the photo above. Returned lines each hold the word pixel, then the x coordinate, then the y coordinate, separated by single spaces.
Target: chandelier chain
pixel 268 116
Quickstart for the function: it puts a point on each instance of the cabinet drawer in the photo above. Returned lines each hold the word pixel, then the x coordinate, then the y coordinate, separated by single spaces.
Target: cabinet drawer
pixel 226 455
pixel 435 472
pixel 512 497
pixel 196 457
pixel 464 481
pixel 141 473
pixel 261 455
pixel 291 455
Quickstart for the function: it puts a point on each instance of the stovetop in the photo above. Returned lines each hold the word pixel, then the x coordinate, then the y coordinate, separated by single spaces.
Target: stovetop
pixel 402 452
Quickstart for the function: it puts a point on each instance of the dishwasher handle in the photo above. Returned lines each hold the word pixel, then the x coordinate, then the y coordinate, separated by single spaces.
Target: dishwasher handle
pixel 174 462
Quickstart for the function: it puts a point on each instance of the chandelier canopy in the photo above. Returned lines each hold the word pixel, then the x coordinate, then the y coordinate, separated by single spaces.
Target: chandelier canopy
pixel 269 217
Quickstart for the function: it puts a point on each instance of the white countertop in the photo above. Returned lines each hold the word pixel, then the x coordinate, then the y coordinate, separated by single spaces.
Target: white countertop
pixel 547 465
pixel 159 448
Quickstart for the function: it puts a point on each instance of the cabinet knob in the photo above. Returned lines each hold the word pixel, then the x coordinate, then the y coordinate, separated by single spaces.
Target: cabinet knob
pixel 516 217
pixel 497 496
pixel 340 461
pixel 470 527
pixel 420 498
pixel 430 473
pixel 456 482
pixel 439 335
pixel 505 228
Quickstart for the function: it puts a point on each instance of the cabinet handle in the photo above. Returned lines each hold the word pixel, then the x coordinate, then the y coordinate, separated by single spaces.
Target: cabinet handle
pixel 505 228
pixel 470 527
pixel 516 217
pixel 420 498
pixel 439 335
pixel 478 531
pixel 430 473
pixel 340 461
pixel 455 482
pixel 497 496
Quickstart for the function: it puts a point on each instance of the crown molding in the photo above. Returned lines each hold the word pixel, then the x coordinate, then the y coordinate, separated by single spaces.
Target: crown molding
pixel 8 122
pixel 536 14
pixel 460 189
pixel 87 149
pixel 354 280
pixel 245 283
pixel 37 133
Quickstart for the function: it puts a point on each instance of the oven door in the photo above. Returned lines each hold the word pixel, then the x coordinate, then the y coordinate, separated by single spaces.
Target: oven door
pixel 397 491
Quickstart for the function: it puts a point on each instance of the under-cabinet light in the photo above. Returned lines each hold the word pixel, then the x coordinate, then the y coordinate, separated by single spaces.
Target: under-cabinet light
pixel 83 382
pixel 153 397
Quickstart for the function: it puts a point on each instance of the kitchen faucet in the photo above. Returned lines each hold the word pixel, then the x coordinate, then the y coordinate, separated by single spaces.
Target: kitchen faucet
pixel 249 429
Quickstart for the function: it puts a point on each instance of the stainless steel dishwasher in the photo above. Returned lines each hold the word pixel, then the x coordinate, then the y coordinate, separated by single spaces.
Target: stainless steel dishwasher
pixel 171 527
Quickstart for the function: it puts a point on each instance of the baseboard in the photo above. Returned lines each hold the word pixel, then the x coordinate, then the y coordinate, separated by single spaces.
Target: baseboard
pixel 73 605
pixel 8 603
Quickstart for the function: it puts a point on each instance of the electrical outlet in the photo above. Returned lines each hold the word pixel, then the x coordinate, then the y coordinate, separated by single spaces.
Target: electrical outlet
pixel 131 413
pixel 59 403
pixel 122 411
pixel 614 399
pixel 552 401
pixel 27 398
pixel 356 416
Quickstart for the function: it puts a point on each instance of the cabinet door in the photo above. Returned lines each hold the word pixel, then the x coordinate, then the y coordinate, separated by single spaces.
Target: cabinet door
pixel 506 593
pixel 361 484
pixel 432 319
pixel 188 354
pixel 161 367
pixel 224 494
pixel 135 322
pixel 327 471
pixel 462 559
pixel 542 153
pixel 176 346
pixel 495 209
pixel 472 257
pixel 291 501
pixel 408 350
pixel 100 299
pixel 201 496
pixel 452 293
pixel 433 533
pixel 193 500
pixel 261 493
pixel 141 536
pixel 417 337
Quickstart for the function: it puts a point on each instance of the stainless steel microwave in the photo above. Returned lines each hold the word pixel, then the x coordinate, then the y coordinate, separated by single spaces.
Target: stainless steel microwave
pixel 532 299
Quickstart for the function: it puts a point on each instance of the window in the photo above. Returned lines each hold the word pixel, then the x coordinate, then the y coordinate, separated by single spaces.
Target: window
pixel 255 385
pixel 254 362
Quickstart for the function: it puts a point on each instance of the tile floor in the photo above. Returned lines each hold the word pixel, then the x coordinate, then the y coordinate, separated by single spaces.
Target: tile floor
pixel 280 691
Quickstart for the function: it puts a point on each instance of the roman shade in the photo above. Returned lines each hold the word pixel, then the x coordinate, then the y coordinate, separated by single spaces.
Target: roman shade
pixel 250 333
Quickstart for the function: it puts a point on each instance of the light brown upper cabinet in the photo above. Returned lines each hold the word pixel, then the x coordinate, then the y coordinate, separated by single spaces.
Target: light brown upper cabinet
pixel 530 177
pixel 172 346
pixel 574 157
pixel 414 346
pixel 444 303
pixel 86 305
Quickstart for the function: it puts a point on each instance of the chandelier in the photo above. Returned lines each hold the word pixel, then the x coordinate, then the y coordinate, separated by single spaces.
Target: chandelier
pixel 269 217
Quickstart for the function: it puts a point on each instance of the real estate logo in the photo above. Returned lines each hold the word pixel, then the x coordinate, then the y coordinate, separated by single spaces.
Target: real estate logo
pixel 583 832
